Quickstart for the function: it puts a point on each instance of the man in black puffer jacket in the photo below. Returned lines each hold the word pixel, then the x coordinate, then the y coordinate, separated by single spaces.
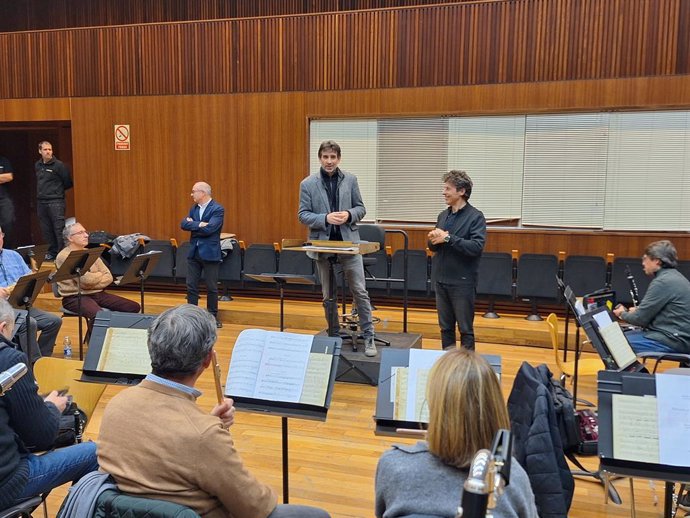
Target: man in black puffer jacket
pixel 537 441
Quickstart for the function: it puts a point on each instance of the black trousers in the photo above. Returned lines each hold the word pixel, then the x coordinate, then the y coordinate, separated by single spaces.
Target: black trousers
pixel 51 216
pixel 195 267
pixel 455 306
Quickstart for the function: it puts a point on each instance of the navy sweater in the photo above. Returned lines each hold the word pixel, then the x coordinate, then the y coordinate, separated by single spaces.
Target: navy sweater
pixel 25 420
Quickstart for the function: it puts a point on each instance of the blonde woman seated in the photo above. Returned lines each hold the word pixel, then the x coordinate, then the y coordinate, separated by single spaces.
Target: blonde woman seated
pixel 466 409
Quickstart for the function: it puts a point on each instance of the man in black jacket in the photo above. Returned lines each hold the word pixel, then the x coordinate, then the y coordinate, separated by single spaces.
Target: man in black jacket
pixel 52 180
pixel 458 241
pixel 27 421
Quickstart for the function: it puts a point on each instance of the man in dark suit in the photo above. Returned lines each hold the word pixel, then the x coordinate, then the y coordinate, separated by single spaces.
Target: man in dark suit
pixel 205 221
pixel 458 241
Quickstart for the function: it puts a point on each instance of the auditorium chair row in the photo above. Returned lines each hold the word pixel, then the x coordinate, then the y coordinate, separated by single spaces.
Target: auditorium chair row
pixel 507 276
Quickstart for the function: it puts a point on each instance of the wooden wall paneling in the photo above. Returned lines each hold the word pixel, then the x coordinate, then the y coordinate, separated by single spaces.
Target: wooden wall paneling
pixel 446 44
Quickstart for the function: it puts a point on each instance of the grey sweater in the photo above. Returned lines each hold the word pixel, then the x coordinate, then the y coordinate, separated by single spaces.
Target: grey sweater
pixel 412 481
pixel 664 312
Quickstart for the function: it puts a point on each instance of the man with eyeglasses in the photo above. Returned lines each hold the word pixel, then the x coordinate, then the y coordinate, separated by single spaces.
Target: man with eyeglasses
pixel 93 282
pixel 12 267
pixel 204 221
pixel 664 312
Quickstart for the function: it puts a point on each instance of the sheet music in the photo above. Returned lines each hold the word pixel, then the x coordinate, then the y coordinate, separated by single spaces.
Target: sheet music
pixel 420 360
pixel 421 406
pixel 125 351
pixel 316 379
pixel 400 404
pixel 602 319
pixel 269 365
pixel 673 401
pixel 635 428
pixel 245 362
pixel 617 344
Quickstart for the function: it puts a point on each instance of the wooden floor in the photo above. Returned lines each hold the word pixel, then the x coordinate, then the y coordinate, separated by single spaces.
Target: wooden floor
pixel 332 463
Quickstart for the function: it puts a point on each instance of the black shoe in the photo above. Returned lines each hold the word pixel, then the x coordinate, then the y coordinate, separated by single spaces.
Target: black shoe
pixel 49 257
pixel 219 324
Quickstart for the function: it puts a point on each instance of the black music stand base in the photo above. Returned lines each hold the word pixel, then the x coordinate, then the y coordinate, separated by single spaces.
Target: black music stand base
pixel 597 476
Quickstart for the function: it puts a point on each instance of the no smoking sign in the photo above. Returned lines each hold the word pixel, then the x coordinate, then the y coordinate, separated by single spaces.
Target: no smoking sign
pixel 122 137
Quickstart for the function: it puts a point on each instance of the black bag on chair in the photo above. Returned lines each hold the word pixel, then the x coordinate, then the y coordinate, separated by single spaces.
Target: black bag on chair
pixel 72 424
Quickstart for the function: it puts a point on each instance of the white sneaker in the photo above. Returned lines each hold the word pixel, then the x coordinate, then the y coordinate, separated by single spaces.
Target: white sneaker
pixel 370 347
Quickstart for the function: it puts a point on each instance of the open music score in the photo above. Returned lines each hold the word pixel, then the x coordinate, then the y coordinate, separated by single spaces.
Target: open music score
pixel 279 367
pixel 125 351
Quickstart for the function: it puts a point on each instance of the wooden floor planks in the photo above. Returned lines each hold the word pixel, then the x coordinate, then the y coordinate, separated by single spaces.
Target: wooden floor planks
pixel 332 463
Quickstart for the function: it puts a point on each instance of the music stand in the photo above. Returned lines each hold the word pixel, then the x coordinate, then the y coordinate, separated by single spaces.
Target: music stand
pixel 76 264
pixel 25 292
pixel 139 270
pixel 281 279
pixel 37 253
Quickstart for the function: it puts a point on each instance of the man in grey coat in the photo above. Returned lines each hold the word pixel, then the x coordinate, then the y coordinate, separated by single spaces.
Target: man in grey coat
pixel 330 204
pixel 664 313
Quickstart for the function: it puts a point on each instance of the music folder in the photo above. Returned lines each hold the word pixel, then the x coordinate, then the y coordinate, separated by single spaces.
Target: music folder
pixel 118 350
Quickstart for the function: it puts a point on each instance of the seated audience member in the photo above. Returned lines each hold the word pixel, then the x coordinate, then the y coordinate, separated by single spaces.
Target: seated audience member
pixel 27 421
pixel 93 282
pixel 466 409
pixel 664 312
pixel 12 267
pixel 183 454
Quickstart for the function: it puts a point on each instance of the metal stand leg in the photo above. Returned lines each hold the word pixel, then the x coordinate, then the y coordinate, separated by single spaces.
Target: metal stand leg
pixel 286 489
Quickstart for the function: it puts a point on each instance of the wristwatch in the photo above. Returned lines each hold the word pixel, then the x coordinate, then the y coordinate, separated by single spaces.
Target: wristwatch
pixel 446 239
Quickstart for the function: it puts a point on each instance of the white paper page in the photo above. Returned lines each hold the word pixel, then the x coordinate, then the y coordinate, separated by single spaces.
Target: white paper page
pixel 673 400
pixel 316 379
pixel 635 429
pixel 618 345
pixel 602 319
pixel 419 359
pixel 283 365
pixel 125 351
pixel 245 362
pixel 579 308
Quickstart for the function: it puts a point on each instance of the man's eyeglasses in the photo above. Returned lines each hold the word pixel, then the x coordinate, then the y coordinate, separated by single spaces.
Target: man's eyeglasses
pixel 80 233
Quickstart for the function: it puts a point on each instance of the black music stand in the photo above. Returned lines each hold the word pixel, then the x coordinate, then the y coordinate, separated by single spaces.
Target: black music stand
pixel 281 279
pixel 321 345
pixel 25 292
pixel 139 270
pixel 35 252
pixel 76 264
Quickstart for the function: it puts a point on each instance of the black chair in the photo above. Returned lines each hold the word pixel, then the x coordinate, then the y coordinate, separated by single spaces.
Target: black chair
pixel 536 279
pixel 68 313
pixel 25 508
pixel 584 273
pixel 292 262
pixel 418 272
pixel 620 283
pixel 495 279
pixel 683 359
pixel 376 265
pixel 684 268
pixel 165 267
pixel 259 258
pixel 181 261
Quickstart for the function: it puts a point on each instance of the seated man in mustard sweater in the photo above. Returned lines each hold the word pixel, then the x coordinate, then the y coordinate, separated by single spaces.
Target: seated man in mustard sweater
pixel 183 454
pixel 93 282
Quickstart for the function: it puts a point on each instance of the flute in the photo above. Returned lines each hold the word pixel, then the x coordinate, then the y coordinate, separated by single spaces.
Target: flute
pixel 216 378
